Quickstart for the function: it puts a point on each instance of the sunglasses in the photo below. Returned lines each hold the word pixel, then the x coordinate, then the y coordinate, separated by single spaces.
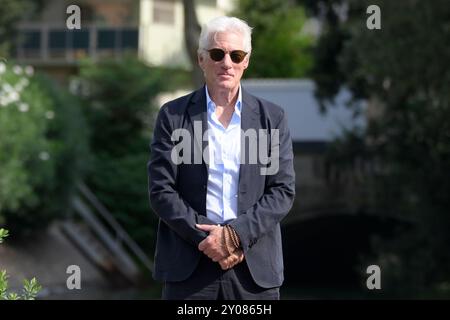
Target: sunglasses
pixel 237 56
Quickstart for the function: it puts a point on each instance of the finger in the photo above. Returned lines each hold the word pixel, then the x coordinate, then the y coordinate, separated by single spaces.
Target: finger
pixel 205 244
pixel 205 227
pixel 208 251
pixel 224 266
pixel 233 263
pixel 217 257
pixel 228 260
pixel 202 245
pixel 213 254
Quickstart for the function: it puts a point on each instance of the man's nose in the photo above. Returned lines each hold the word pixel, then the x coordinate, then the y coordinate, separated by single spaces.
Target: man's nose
pixel 227 62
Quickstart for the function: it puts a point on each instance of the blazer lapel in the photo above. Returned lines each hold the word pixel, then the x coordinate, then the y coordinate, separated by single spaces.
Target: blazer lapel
pixel 249 120
pixel 198 116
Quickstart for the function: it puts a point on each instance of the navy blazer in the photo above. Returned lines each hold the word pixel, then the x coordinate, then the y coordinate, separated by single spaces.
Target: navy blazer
pixel 178 191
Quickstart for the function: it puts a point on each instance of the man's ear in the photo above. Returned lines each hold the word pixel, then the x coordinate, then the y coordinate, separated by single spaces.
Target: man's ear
pixel 246 62
pixel 201 60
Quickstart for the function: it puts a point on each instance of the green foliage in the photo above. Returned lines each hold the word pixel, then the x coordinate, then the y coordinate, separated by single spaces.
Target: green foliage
pixel 401 70
pixel 30 287
pixel 3 234
pixel 118 99
pixel 11 11
pixel 43 148
pixel 279 47
pixel 119 96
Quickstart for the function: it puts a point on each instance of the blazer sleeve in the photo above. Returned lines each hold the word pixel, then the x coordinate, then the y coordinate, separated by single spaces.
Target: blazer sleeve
pixel 165 200
pixel 278 196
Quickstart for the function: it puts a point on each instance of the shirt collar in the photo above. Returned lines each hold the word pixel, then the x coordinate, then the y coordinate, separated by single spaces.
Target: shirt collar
pixel 211 106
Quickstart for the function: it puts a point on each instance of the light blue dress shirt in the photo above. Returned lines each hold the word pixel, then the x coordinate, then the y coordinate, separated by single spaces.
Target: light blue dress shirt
pixel 224 163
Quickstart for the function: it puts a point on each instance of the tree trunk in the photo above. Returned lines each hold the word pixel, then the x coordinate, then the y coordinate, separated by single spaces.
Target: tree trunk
pixel 191 34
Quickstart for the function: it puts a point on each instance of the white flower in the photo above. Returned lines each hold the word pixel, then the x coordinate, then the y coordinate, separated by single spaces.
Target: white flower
pixel 49 115
pixel 29 70
pixel 3 101
pixel 17 70
pixel 44 156
pixel 21 84
pixel 14 96
pixel 2 68
pixel 7 87
pixel 23 107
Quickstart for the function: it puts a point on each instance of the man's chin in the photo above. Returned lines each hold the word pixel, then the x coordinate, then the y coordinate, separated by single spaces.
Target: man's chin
pixel 226 84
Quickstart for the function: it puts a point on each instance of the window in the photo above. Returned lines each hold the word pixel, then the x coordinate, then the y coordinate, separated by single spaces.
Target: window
pixel 57 39
pixel 81 39
pixel 31 39
pixel 106 39
pixel 164 11
pixel 126 38
pixel 130 38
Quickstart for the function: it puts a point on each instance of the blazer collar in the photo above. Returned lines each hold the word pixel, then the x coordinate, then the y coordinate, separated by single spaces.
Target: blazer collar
pixel 198 101
pixel 198 111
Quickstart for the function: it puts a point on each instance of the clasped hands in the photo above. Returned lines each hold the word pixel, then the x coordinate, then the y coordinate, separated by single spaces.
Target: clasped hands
pixel 214 247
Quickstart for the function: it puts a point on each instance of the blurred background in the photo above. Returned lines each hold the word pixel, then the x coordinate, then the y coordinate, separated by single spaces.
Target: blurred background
pixel 368 112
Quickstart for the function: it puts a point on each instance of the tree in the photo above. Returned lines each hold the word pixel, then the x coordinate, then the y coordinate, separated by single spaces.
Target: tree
pixel 400 71
pixel 11 11
pixel 43 149
pixel 280 48
pixel 119 105
pixel 191 34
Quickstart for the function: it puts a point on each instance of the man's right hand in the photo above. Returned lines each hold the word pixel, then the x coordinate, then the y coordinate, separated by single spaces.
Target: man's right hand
pixel 229 262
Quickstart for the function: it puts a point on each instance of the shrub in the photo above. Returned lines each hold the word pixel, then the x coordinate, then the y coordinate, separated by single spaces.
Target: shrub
pixel 43 148
pixel 118 100
pixel 30 287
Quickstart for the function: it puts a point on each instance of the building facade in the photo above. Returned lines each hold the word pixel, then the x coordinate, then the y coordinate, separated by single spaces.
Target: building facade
pixel 161 28
pixel 109 28
pixel 150 29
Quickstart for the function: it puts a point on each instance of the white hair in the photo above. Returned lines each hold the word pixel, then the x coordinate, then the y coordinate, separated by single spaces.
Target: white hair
pixel 225 24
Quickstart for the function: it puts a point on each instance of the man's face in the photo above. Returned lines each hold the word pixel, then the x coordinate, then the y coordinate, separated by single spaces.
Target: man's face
pixel 224 74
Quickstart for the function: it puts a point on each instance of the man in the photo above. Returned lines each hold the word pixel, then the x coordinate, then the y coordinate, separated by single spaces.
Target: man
pixel 219 209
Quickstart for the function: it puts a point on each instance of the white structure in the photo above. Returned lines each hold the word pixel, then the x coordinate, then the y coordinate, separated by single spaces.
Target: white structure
pixel 161 28
pixel 306 122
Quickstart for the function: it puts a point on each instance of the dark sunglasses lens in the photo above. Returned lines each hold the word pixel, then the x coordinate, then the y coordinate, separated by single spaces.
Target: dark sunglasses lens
pixel 216 54
pixel 237 56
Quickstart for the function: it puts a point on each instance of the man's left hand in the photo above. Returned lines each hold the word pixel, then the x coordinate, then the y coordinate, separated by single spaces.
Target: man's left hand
pixel 236 257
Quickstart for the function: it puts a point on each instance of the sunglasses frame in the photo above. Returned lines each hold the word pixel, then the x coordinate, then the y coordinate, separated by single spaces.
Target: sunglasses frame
pixel 223 53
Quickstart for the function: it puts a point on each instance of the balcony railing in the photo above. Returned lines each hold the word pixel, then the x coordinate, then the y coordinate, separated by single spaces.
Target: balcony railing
pixel 46 44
